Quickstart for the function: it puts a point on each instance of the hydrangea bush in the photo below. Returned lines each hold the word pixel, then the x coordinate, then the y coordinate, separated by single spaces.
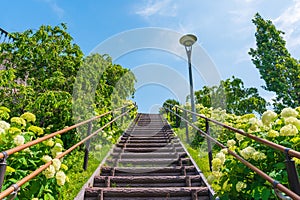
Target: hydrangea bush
pixel 229 177
pixel 15 131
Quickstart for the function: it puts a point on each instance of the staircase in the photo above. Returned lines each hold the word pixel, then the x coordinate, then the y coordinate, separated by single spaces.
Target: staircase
pixel 148 162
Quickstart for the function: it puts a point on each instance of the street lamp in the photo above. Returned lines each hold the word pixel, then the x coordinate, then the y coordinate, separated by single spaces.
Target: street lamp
pixel 187 41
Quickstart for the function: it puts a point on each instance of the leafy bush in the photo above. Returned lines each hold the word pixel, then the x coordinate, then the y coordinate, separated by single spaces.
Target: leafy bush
pixel 21 130
pixel 229 177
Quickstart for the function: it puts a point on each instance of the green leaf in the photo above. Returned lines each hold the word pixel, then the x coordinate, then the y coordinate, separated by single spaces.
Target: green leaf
pixel 280 166
pixel 265 194
pixel 48 196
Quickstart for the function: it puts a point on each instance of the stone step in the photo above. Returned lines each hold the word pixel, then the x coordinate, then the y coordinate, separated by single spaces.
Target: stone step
pixel 171 193
pixel 149 155
pixel 149 149
pixel 149 162
pixel 148 181
pixel 148 171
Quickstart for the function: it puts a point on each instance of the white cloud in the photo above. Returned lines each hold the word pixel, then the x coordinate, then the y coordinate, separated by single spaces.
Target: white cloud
pixel 162 7
pixel 289 21
pixel 56 9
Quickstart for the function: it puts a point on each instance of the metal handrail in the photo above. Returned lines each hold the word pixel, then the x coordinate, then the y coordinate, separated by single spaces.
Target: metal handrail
pixel 16 186
pixel 46 137
pixel 275 183
pixel 5 34
pixel 273 145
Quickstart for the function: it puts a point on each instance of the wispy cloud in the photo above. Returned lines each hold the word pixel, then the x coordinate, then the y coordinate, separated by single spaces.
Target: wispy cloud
pixel 162 8
pixel 289 21
pixel 56 9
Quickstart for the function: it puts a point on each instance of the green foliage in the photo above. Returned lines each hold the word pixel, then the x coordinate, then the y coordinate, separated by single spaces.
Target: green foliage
pixel 230 178
pixel 41 55
pixel 170 115
pixel 41 76
pixel 232 96
pixel 100 86
pixel 40 69
pixel 79 176
pixel 280 71
pixel 22 130
pixel 45 73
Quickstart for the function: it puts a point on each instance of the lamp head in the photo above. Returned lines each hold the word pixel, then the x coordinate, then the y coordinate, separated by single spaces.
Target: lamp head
pixel 188 40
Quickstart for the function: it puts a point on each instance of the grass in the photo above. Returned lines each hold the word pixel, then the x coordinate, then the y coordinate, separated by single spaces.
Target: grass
pixel 199 155
pixel 77 176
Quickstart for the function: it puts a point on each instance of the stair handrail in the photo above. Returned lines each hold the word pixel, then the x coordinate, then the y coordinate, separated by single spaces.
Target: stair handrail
pixel 276 184
pixel 6 35
pixel 11 151
pixel 13 189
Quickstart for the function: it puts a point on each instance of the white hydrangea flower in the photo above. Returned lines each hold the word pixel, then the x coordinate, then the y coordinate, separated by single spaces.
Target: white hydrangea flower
pixel 18 120
pixel 109 137
pixel 288 112
pixel 2 130
pixel 216 164
pixel 239 137
pixel 29 117
pixel 4 125
pixel 225 151
pixel 56 149
pixel 60 178
pixel 240 186
pixel 268 117
pixel 255 124
pixel 221 156
pixel 231 143
pixel 288 130
pixel 49 172
pixel 247 152
pixel 98 147
pixel 258 156
pixel 273 133
pixel 49 142
pixel 292 120
pixel 19 140
pixel 46 159
pixel 56 163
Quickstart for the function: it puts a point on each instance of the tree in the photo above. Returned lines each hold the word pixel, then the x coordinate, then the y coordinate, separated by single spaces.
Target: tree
pixel 40 70
pixel 232 96
pixel 280 71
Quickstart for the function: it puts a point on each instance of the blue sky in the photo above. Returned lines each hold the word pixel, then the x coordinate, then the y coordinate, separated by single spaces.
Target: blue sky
pixel 223 27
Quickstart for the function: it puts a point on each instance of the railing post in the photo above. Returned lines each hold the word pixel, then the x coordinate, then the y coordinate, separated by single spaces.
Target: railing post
pixel 186 128
pixel 177 116
pixel 208 144
pixel 111 125
pixel 2 169
pixel 87 148
pixel 292 173
pixel 122 120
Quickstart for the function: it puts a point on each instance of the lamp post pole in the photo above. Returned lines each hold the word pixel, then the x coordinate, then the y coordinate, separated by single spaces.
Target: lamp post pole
pixel 187 41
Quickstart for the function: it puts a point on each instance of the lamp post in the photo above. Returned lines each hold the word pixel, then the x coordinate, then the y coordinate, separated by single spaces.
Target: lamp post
pixel 187 41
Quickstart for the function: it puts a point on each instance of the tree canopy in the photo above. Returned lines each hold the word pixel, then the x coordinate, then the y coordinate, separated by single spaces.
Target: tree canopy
pixel 232 96
pixel 40 75
pixel 280 71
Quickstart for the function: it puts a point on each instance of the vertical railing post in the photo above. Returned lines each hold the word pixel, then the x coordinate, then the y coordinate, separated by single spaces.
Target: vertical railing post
pixel 177 116
pixel 186 128
pixel 2 169
pixel 292 173
pixel 111 125
pixel 208 145
pixel 122 118
pixel 87 148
